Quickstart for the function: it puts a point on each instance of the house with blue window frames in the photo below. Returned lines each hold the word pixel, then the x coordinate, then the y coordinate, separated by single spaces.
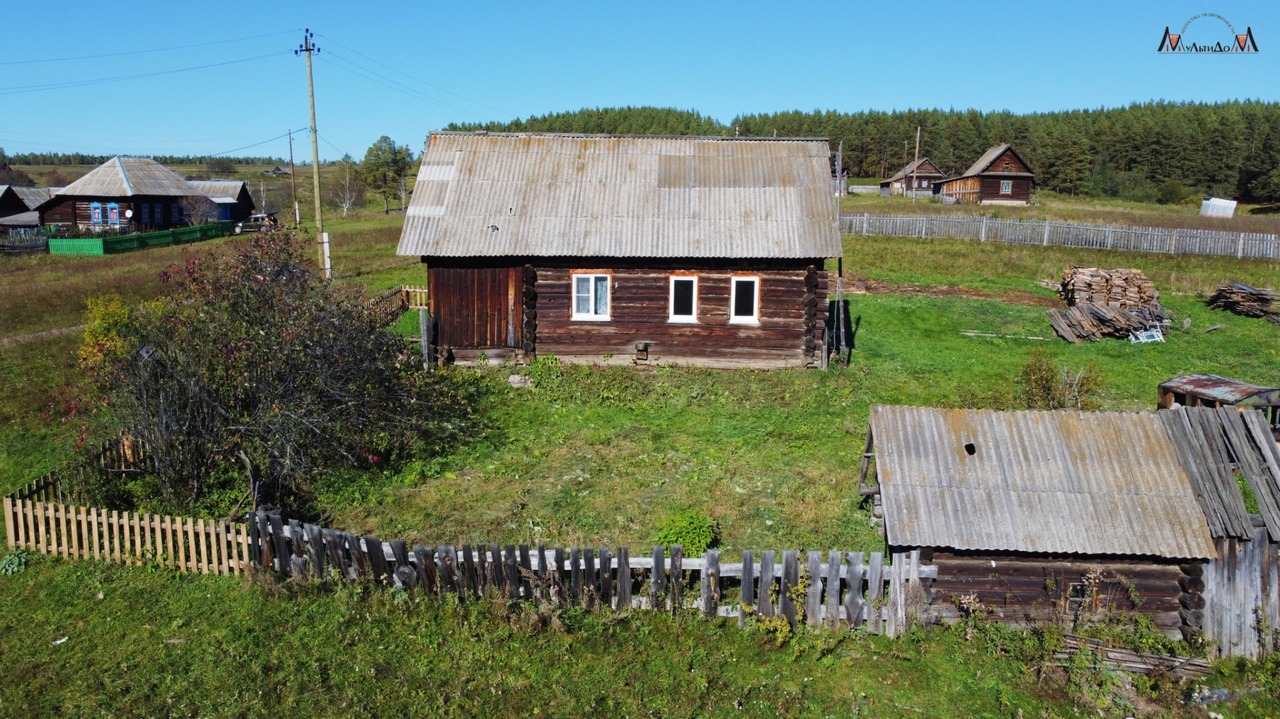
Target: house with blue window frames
pixel 124 194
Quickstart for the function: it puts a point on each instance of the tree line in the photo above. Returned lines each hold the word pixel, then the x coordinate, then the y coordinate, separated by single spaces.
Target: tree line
pixel 1146 151
pixel 80 158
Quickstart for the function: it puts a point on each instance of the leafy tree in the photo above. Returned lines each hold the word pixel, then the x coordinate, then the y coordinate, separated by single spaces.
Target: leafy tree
pixel 347 191
pixel 253 377
pixel 384 168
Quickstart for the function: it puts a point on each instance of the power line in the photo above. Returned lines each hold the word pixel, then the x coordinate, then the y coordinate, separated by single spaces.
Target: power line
pixel 142 52
pixel 415 79
pixel 330 144
pixel 24 89
pixel 371 76
pixel 246 147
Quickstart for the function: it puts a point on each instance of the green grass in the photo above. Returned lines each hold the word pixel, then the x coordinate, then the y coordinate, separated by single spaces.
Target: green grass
pixel 146 642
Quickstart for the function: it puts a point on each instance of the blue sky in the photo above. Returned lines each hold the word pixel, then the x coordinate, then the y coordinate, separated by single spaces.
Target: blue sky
pixel 404 69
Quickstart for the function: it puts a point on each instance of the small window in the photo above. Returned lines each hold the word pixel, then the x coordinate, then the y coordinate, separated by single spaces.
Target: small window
pixel 744 301
pixel 146 213
pixel 684 299
pixel 1006 187
pixel 177 213
pixel 591 297
pixel 95 213
pixel 113 214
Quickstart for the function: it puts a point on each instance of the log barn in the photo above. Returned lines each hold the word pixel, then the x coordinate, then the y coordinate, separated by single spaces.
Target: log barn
pixel 999 177
pixel 917 176
pixel 231 200
pixel 690 250
pixel 123 194
pixel 1071 517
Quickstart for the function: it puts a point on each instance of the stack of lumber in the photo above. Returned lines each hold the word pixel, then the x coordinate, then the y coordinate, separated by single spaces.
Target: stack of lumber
pixel 1116 659
pixel 1105 303
pixel 1248 301
pixel 1093 322
pixel 1115 288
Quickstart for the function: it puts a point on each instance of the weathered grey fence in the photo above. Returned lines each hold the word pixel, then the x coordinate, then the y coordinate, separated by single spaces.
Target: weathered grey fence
pixel 1241 609
pixel 1250 245
pixel 835 591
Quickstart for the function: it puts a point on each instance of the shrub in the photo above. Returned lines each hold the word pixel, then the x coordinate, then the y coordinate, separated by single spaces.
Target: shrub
pixel 1043 385
pixel 693 531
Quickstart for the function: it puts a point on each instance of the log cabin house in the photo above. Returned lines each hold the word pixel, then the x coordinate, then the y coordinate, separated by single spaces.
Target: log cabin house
pixel 1066 516
pixel 123 194
pixel 917 176
pixel 692 250
pixel 999 177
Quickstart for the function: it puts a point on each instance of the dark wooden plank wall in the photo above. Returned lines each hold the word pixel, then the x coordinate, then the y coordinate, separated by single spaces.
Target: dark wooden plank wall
pixel 476 307
pixel 639 312
pixel 1021 190
pixel 75 210
pixel 1008 161
pixel 1035 589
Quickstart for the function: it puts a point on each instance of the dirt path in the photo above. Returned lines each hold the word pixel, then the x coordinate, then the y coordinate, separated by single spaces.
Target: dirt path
pixel 7 342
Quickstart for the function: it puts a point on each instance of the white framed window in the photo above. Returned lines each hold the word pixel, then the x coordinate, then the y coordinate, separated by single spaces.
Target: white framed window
pixel 590 297
pixel 683 299
pixel 744 300
pixel 1006 187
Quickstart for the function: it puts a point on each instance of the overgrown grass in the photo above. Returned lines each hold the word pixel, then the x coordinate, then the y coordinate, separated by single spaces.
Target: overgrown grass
pixel 95 640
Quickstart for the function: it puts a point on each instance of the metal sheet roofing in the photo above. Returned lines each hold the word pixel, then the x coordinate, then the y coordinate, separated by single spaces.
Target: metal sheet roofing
pixel 219 190
pixel 1221 389
pixel 30 218
pixel 489 195
pixel 33 197
pixel 980 166
pixel 129 176
pixel 1053 482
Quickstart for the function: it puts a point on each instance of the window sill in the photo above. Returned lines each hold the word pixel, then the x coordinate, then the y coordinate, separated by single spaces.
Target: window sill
pixel 744 321
pixel 589 318
pixel 682 320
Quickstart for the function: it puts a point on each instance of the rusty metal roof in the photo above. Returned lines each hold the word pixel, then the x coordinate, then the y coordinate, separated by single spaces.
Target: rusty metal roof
pixel 1222 390
pixel 130 176
pixel 489 195
pixel 1060 482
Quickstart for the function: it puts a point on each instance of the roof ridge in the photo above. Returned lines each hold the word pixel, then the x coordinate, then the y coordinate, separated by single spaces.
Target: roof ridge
pixel 124 176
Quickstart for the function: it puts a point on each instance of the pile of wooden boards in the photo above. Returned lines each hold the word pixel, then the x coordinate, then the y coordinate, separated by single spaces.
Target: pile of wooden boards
pixel 1115 288
pixel 1248 301
pixel 1105 303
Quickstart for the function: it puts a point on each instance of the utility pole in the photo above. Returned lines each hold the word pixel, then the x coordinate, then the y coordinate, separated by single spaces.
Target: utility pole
pixel 307 48
pixel 293 186
pixel 915 167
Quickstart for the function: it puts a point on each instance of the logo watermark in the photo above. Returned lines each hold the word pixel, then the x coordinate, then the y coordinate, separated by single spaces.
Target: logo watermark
pixel 1231 42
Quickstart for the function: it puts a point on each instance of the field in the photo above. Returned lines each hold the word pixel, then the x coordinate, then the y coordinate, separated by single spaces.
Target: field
pixel 602 457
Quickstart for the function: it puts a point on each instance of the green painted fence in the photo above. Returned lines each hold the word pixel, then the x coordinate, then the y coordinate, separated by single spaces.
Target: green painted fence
pixel 110 245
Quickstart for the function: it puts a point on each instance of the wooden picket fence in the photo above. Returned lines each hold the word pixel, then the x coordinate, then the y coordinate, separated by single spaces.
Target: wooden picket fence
pixel 75 532
pixel 841 591
pixel 1163 240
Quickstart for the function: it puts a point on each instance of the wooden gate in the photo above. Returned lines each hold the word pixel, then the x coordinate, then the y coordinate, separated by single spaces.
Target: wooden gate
pixel 477 308
pixel 1242 596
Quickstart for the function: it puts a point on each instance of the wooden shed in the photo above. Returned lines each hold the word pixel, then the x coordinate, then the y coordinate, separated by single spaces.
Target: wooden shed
pixel 699 250
pixel 123 194
pixel 916 177
pixel 1210 390
pixel 1071 516
pixel 999 177
pixel 231 199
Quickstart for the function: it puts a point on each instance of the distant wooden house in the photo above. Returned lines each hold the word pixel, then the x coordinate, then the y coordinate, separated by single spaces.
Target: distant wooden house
pixel 122 194
pixel 999 177
pixel 700 250
pixel 1035 517
pixel 917 176
pixel 277 171
pixel 18 206
pixel 231 199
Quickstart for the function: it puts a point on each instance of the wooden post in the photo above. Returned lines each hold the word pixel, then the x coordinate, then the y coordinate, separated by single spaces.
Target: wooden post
pixel 526 573
pixel 766 584
pixel 790 578
pixel 423 562
pixel 834 560
pixel 677 577
pixel 813 594
pixel 711 584
pixel 853 595
pixel 658 579
pixel 624 578
pixel 509 563
pixel 875 591
pixel 606 578
pixel 557 577
pixel 467 575
pixel 746 595
pixel 10 530
pixel 575 575
pixel 590 579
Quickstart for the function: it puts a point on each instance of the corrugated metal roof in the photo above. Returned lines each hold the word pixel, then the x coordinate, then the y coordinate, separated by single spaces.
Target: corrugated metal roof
pixel 1221 389
pixel 30 218
pixel 227 190
pixel 1054 482
pixel 129 176
pixel 489 195
pixel 988 157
